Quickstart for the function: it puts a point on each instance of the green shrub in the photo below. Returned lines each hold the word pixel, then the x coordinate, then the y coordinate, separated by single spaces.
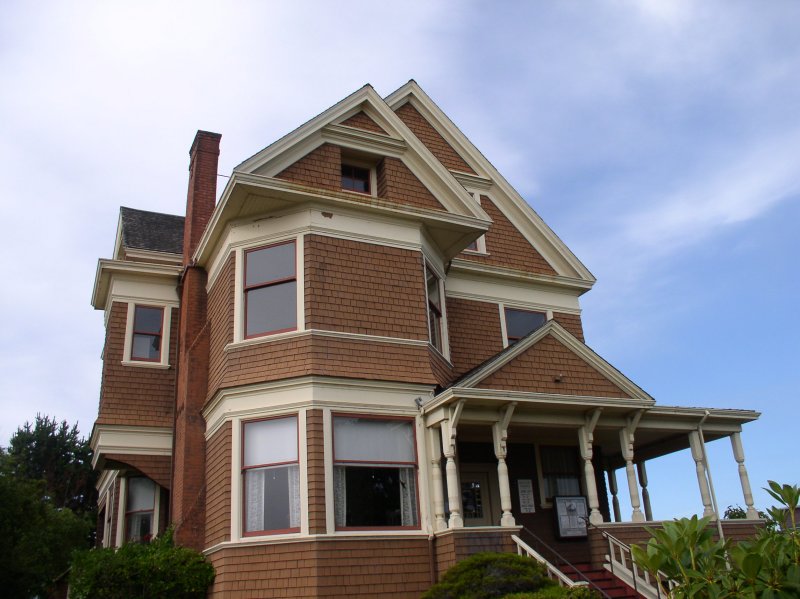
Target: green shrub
pixel 489 575
pixel 159 570
pixel 556 592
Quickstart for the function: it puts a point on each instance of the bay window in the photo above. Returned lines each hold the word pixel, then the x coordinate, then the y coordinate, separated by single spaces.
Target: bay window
pixel 375 478
pixel 139 509
pixel 271 476
pixel 270 289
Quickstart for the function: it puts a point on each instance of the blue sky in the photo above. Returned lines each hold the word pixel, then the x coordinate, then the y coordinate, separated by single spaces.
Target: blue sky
pixel 660 140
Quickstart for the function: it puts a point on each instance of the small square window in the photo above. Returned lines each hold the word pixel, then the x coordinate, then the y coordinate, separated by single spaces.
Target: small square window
pixel 355 178
pixel 148 324
pixel 520 323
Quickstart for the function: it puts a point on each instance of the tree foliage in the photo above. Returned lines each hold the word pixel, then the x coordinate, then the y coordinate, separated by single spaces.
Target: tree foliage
pixel 158 570
pixel 767 567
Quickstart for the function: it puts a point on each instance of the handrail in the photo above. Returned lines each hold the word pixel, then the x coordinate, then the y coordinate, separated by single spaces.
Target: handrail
pixel 631 574
pixel 552 572
pixel 562 561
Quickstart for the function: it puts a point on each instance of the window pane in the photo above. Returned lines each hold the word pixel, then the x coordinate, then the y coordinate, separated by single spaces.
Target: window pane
pixel 141 494
pixel 521 322
pixel 139 527
pixel 365 439
pixel 272 308
pixel 270 264
pixel 147 320
pixel 560 471
pixel 270 441
pixel 272 497
pixel 433 288
pixel 146 347
pixel 375 497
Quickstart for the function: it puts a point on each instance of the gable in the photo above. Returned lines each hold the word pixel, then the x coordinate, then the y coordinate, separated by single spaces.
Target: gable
pixel 507 247
pixel 361 120
pixel 538 368
pixel 431 138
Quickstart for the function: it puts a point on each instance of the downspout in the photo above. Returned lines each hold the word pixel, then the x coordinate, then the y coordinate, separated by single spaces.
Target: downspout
pixel 708 475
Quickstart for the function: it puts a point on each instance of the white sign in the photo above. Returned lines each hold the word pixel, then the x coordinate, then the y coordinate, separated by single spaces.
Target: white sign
pixel 526 505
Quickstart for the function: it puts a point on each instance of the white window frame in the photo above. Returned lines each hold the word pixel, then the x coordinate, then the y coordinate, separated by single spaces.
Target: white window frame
pixel 166 326
pixel 121 506
pixel 445 349
pixel 480 243
pixel 239 295
pixel 372 167
pixel 548 312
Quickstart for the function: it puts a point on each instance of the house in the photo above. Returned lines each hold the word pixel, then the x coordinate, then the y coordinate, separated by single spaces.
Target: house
pixel 363 363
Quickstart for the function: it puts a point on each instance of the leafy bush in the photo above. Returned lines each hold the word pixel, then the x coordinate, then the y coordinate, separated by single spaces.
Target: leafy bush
pixel 159 570
pixel 556 592
pixel 489 575
pixel 765 568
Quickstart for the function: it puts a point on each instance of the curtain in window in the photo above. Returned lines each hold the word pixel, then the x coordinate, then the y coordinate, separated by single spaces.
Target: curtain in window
pixel 255 482
pixel 340 495
pixel 408 497
pixel 294 496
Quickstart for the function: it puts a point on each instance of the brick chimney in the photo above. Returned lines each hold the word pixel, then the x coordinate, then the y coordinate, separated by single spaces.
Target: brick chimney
pixel 189 447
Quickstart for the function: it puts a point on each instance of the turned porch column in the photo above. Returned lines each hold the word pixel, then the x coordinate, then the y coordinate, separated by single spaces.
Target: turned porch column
pixel 449 431
pixel 436 475
pixel 738 455
pixel 500 437
pixel 642 471
pixel 585 440
pixel 696 446
pixel 612 486
pixel 626 443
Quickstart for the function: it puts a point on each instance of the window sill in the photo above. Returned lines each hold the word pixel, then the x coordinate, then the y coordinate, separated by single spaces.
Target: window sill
pixel 142 364
pixel 474 252
pixel 264 339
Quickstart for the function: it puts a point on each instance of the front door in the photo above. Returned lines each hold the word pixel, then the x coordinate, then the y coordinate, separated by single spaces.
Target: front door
pixel 476 499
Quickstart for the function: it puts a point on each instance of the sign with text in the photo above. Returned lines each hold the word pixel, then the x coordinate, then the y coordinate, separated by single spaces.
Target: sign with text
pixel 571 515
pixel 525 488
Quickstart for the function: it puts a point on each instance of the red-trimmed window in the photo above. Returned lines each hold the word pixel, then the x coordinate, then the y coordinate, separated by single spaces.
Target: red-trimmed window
pixel 355 178
pixel 522 322
pixel 374 472
pixel 271 476
pixel 140 506
pixel 270 289
pixel 434 307
pixel 148 323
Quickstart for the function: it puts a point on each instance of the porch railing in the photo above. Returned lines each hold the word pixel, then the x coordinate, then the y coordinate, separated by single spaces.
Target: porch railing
pixel 555 571
pixel 619 562
pixel 552 572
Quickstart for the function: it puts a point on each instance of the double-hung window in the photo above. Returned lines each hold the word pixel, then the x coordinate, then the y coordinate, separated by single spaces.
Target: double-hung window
pixel 148 324
pixel 561 472
pixel 374 472
pixel 270 289
pixel 355 178
pixel 522 322
pixel 434 292
pixel 271 476
pixel 139 509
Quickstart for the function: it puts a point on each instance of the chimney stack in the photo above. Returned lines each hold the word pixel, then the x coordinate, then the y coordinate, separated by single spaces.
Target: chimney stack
pixel 189 445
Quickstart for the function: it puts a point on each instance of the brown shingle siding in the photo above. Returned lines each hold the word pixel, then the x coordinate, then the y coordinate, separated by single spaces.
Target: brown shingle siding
pixel 571 322
pixel 316 472
pixel 218 485
pixel 475 334
pixel 320 168
pixel 537 368
pixel 396 183
pixel 507 247
pixel 220 321
pixel 361 120
pixel 135 395
pixel 437 145
pixel 155 467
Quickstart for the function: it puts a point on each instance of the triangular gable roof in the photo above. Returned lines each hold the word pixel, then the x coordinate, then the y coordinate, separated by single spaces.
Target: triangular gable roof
pixel 530 224
pixel 498 362
pixel 398 141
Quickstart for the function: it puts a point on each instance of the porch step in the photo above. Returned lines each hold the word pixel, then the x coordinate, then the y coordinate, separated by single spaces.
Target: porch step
pixel 607 582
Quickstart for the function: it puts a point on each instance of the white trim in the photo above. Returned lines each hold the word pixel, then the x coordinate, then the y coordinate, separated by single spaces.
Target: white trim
pixel 108 270
pixel 548 315
pixel 122 504
pixel 130 440
pixel 156 510
pixel 323 333
pixel 302 456
pixel 327 437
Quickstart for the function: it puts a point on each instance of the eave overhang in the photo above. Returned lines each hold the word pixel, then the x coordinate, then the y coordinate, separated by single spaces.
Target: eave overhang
pixel 467 267
pixel 251 196
pixel 106 269
pixel 129 440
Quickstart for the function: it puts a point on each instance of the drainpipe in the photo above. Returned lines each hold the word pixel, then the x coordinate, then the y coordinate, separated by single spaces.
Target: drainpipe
pixel 708 475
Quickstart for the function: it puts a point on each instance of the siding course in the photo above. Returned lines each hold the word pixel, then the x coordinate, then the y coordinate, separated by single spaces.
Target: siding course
pixel 437 145
pixel 396 183
pixel 475 334
pixel 155 467
pixel 316 472
pixel 571 322
pixel 218 485
pixel 361 120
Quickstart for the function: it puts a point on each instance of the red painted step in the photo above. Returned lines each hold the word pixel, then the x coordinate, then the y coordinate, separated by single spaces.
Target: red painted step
pixel 607 582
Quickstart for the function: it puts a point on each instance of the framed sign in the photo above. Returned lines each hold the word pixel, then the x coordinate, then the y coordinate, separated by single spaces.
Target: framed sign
pixel 571 517
pixel 525 489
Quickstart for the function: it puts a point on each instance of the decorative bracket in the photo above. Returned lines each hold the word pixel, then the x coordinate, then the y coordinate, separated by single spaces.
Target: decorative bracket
pixel 450 427
pixel 500 430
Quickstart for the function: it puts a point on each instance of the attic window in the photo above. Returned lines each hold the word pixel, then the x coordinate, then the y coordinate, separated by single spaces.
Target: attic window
pixel 355 178
pixel 522 322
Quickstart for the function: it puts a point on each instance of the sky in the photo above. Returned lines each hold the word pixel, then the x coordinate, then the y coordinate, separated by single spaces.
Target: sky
pixel 659 139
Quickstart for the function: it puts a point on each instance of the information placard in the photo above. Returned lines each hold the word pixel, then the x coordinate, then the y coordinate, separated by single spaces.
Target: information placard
pixel 526 504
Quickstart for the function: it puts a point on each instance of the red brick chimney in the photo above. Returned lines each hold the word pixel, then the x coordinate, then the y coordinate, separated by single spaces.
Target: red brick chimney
pixel 188 459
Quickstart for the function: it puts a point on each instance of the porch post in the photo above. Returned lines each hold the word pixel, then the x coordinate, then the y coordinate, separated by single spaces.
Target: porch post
pixel 642 470
pixel 449 432
pixel 585 440
pixel 612 486
pixel 436 474
pixel 738 455
pixel 702 480
pixel 500 436
pixel 626 443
